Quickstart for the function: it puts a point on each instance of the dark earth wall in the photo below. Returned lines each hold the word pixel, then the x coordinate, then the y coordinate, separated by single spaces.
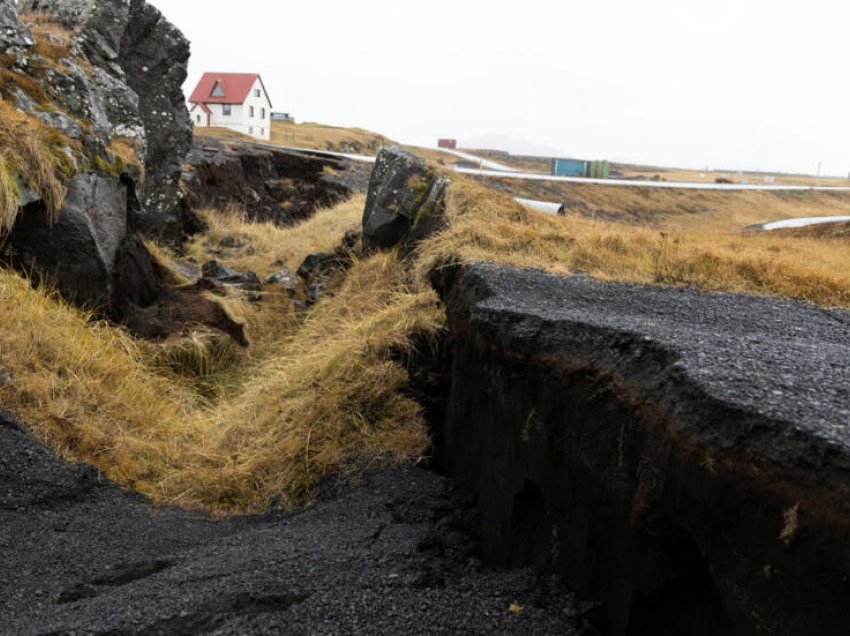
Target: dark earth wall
pixel 281 186
pixel 668 452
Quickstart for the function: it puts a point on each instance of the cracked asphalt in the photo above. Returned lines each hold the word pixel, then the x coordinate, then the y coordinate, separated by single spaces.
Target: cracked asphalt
pixel 785 363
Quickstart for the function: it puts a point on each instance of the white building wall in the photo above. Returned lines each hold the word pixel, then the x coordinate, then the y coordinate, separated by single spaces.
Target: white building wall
pixel 240 119
pixel 260 123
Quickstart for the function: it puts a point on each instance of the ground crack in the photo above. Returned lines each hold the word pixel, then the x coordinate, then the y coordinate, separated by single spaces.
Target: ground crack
pixel 113 576
pixel 215 614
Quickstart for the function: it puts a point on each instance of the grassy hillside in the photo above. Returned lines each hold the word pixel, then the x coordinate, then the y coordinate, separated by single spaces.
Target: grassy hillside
pixel 198 421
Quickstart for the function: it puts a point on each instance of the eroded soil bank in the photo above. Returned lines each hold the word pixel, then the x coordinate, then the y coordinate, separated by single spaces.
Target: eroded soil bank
pixel 680 456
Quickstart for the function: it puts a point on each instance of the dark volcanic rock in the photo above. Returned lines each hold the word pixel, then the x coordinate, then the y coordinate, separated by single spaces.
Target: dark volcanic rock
pixel 320 270
pixel 282 186
pixel 406 201
pixel 136 92
pixel 77 253
pixel 246 281
pixel 312 265
pixel 391 556
pixel 683 457
pixel 154 56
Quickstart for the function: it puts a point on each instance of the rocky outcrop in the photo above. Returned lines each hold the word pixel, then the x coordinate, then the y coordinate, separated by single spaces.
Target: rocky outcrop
pixel 14 36
pixel 405 202
pixel 111 111
pixel 135 92
pixel 282 186
pixel 683 457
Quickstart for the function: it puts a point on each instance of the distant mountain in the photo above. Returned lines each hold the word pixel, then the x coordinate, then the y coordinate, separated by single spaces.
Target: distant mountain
pixel 509 144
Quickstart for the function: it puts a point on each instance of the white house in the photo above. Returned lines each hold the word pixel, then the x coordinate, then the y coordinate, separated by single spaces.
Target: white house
pixel 237 101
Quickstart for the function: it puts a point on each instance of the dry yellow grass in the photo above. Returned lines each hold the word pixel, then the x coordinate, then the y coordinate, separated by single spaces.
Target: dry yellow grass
pixel 311 136
pixel 824 231
pixel 84 387
pixel 754 178
pixel 222 133
pixel 52 41
pixel 707 251
pixel 267 247
pixel 331 396
pixel 124 151
pixel 315 395
pixel 34 152
pixel 323 137
pixel 651 205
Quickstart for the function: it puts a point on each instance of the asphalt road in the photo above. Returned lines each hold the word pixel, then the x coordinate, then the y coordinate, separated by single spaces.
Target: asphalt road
pixel 675 185
pixel 495 170
pixel 785 362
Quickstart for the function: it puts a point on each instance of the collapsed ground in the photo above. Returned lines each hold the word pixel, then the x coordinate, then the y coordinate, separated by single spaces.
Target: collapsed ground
pixel 198 420
pixel 273 359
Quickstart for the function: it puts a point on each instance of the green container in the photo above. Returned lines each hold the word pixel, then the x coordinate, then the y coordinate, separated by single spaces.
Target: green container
pixel 599 170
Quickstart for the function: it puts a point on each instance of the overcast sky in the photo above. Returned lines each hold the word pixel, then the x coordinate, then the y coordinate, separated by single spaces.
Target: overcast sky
pixel 755 84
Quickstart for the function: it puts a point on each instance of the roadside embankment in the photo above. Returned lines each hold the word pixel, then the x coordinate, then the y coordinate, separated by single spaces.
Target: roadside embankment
pixel 683 457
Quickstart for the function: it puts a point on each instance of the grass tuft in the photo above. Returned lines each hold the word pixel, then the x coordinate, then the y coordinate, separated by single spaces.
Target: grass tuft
pixel 37 154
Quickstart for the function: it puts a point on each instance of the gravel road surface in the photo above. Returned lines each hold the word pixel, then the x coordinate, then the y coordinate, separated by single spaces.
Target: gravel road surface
pixel 392 555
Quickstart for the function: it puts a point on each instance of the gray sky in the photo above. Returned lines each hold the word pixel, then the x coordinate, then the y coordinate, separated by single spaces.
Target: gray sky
pixel 756 84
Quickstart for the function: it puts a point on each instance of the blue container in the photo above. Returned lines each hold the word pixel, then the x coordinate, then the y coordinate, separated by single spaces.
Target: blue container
pixel 569 168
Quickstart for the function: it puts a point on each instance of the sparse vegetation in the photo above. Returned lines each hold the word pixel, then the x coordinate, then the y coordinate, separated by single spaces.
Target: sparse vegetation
pixel 52 40
pixel 706 250
pixel 37 154
pixel 323 137
pixel 123 152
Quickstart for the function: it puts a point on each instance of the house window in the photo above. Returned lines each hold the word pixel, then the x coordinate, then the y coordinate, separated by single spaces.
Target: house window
pixel 199 118
pixel 262 132
pixel 262 113
pixel 225 110
pixel 251 130
pixel 256 92
pixel 217 90
pixel 251 112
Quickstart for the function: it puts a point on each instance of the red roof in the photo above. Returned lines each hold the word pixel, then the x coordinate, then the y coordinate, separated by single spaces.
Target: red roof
pixel 235 88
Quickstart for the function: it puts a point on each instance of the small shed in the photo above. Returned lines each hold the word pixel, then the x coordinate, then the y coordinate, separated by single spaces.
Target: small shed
pixel 451 144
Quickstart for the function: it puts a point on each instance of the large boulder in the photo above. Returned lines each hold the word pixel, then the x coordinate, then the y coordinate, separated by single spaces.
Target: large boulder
pixel 405 203
pixel 140 62
pixel 78 252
